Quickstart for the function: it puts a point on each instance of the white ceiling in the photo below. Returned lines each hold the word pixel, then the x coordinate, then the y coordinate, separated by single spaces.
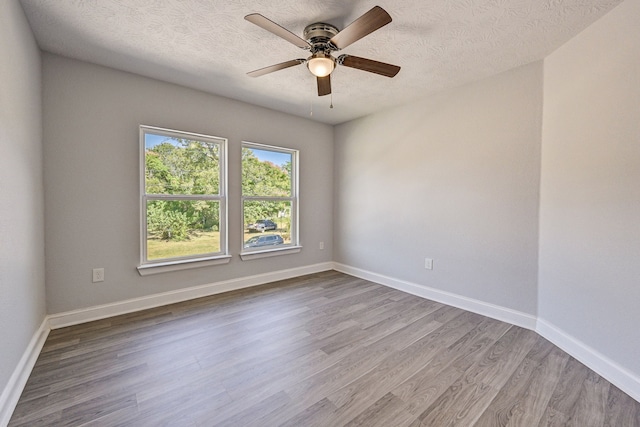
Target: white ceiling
pixel 207 45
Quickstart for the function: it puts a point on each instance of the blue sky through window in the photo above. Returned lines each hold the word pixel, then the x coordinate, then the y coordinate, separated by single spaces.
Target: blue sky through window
pixel 275 157
pixel 151 140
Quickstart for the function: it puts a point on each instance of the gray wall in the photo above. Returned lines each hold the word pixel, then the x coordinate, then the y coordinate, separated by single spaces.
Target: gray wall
pixel 455 178
pixel 22 294
pixel 91 169
pixel 590 193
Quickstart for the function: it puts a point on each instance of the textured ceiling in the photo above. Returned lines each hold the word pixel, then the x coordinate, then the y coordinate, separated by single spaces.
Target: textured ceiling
pixel 207 45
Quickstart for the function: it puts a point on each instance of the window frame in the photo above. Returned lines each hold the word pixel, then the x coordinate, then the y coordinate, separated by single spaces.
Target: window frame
pixel 190 261
pixel 294 245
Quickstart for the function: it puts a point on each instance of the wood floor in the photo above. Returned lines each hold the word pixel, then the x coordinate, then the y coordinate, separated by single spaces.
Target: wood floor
pixel 321 350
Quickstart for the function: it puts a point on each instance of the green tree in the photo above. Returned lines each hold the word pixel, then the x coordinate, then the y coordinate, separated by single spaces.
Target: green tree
pixel 185 167
pixel 166 223
pixel 264 179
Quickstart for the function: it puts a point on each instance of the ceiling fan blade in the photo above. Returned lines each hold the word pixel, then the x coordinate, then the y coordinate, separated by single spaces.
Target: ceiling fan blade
pixel 272 27
pixel 324 85
pixel 376 18
pixel 276 67
pixel 387 70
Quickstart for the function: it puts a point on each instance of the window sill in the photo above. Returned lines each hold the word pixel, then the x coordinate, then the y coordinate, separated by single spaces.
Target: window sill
pixel 164 267
pixel 246 256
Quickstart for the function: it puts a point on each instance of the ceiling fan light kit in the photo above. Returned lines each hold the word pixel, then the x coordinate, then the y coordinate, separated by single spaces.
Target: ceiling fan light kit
pixel 321 64
pixel 321 39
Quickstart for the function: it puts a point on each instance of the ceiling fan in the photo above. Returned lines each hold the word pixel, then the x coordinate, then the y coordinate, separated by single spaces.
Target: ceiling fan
pixel 321 40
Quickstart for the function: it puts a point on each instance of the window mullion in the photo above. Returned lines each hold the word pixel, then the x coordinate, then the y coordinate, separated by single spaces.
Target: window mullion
pixel 182 197
pixel 269 198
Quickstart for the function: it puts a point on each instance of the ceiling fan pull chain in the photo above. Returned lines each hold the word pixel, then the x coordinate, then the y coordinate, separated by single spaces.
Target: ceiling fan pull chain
pixel 331 106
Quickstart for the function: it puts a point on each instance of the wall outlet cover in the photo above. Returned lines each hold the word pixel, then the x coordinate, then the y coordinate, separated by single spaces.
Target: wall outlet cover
pixel 98 275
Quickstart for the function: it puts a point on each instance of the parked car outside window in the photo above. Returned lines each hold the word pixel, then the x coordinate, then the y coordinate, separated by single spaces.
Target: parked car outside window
pixel 264 240
pixel 262 225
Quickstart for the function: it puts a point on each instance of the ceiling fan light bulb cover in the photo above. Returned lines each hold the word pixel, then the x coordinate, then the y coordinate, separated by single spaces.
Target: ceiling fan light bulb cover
pixel 321 66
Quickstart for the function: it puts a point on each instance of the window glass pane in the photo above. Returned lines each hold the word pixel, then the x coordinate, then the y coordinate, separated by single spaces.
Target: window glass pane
pixel 181 166
pixel 266 173
pixel 179 228
pixel 266 223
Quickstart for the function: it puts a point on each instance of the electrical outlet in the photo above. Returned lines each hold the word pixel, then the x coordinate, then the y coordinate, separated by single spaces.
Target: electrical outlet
pixel 98 275
pixel 321 246
pixel 428 263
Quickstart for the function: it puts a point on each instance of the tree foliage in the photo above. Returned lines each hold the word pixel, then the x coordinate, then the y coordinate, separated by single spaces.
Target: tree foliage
pixel 166 222
pixel 185 167
pixel 189 167
pixel 265 179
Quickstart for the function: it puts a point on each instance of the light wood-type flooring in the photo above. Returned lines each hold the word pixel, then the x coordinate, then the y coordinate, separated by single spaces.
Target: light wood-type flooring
pixel 320 350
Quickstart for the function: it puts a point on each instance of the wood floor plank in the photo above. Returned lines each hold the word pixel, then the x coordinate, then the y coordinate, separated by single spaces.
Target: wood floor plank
pixel 388 410
pixel 424 388
pixel 184 410
pixel 275 375
pixel 567 391
pixel 437 375
pixel 621 410
pixel 106 404
pixel 356 396
pixel 552 418
pixel 524 398
pixel 316 415
pixel 459 405
pixel 325 349
pixel 477 387
pixel 252 414
pixel 52 418
pixel 590 409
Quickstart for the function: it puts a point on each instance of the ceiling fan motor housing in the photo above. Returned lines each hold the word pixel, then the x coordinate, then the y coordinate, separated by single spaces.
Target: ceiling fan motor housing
pixel 318 35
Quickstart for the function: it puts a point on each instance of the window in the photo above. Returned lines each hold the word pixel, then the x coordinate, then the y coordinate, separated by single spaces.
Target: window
pixel 183 201
pixel 269 200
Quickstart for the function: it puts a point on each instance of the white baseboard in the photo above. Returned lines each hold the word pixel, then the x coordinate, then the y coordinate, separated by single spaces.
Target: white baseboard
pixel 98 312
pixel 13 389
pixel 599 363
pixel 508 315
